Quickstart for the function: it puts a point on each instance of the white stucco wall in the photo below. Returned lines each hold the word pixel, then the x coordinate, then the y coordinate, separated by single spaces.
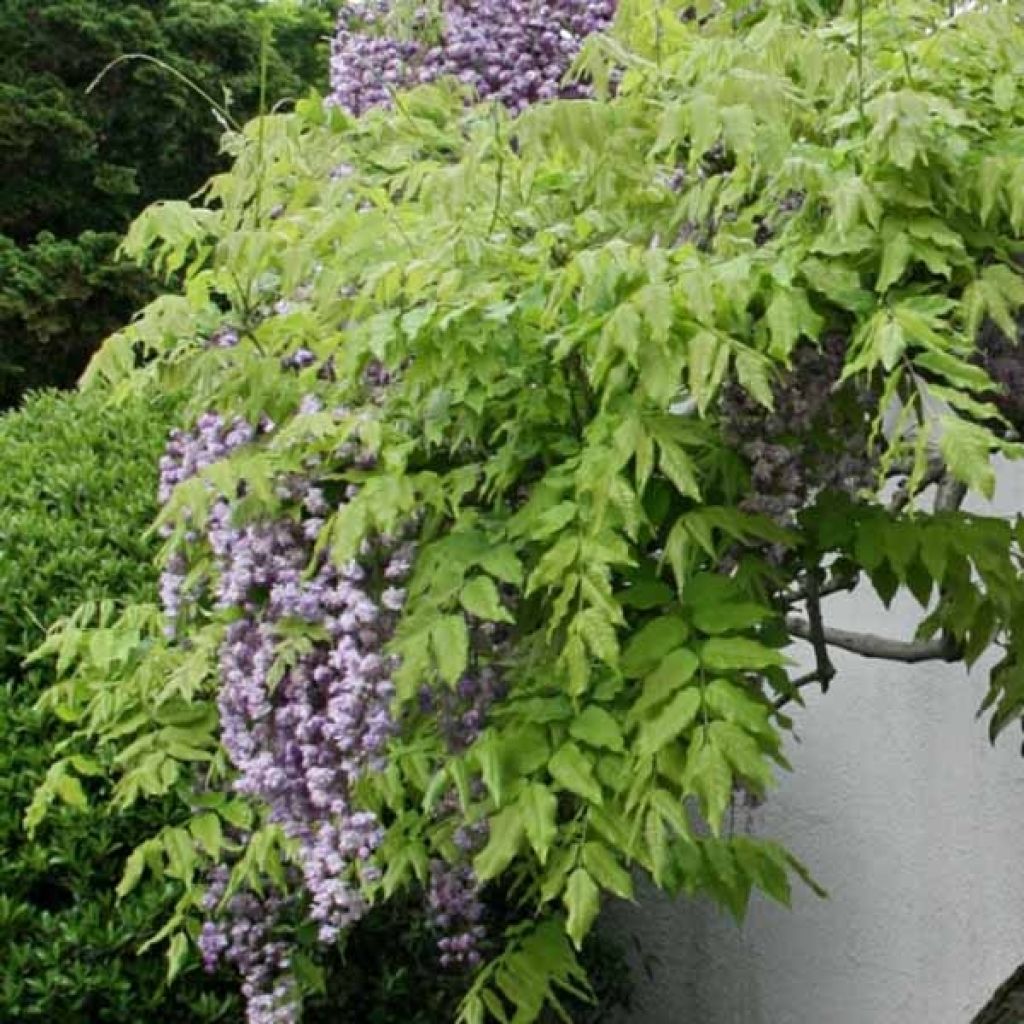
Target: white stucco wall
pixel 913 822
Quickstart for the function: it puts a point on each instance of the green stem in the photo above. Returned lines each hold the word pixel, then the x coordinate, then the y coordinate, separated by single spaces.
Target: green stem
pixel 261 131
pixel 164 66
pixel 500 157
pixel 860 64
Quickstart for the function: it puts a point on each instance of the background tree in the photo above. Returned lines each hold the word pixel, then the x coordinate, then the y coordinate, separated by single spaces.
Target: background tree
pixel 78 165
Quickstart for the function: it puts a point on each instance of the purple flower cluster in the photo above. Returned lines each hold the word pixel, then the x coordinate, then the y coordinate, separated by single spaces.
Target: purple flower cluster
pixel 301 727
pixel 461 712
pixel 517 51
pixel 456 911
pixel 300 742
pixel 300 359
pixel 300 723
pixel 783 445
pixel 186 454
pixel 223 337
pixel 241 934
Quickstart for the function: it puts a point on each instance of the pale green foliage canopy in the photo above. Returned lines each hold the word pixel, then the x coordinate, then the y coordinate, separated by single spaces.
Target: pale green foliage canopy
pixel 548 300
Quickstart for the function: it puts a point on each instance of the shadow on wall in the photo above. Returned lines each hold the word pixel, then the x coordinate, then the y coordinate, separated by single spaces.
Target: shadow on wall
pixel 1007 1005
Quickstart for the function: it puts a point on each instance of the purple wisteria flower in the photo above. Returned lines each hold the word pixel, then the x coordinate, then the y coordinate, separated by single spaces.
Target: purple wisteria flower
pixel 516 51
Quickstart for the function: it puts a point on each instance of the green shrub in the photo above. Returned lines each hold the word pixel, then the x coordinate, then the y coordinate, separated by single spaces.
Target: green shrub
pixel 57 297
pixel 77 492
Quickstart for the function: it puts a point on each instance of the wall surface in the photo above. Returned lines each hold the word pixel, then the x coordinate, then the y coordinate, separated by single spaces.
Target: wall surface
pixel 910 819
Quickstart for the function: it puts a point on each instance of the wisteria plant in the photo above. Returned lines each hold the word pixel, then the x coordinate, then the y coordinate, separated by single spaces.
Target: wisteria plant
pixel 537 410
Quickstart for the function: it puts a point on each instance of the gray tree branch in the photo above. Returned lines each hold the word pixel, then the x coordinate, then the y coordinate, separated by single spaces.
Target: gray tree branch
pixel 903 496
pixel 950 494
pixel 832 586
pixel 823 664
pixel 868 645
pixel 795 685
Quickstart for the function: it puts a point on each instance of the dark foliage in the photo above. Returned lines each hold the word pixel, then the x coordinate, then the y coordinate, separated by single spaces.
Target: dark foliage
pixel 57 298
pixel 79 165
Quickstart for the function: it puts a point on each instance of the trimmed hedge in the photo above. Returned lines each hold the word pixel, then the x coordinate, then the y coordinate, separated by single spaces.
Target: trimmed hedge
pixel 77 492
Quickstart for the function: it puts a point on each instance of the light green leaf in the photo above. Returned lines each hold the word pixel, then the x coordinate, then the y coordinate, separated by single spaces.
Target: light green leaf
pixel 554 520
pixel 726 618
pixel 539 807
pixel 480 598
pixel 671 808
pixel 742 752
pixel 597 728
pixel 674 719
pixel 181 853
pixel 721 654
pixel 733 702
pixel 753 372
pixel 88 766
pixel 489 754
pixel 655 301
pixel 709 777
pixel 450 641
pixel 134 866
pixel 507 830
pixel 765 864
pixel 679 468
pixel 577 664
pixel 207 830
pixel 503 563
pixel 709 359
pixel 583 901
pixel 1004 92
pixel 651 643
pixel 895 257
pixel 623 330
pixel 789 317
pixel 69 789
pixel 556 560
pixel 177 954
pixel 675 670
pixel 574 771
pixel 890 342
pixel 599 633
pixel 966 449
pixel 607 871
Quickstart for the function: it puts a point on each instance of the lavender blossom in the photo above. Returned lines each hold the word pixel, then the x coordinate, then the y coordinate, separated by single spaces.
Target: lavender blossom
pixel 517 51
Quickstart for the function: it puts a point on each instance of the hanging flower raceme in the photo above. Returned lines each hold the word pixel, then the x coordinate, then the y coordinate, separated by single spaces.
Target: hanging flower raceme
pixel 516 51
pixel 301 735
